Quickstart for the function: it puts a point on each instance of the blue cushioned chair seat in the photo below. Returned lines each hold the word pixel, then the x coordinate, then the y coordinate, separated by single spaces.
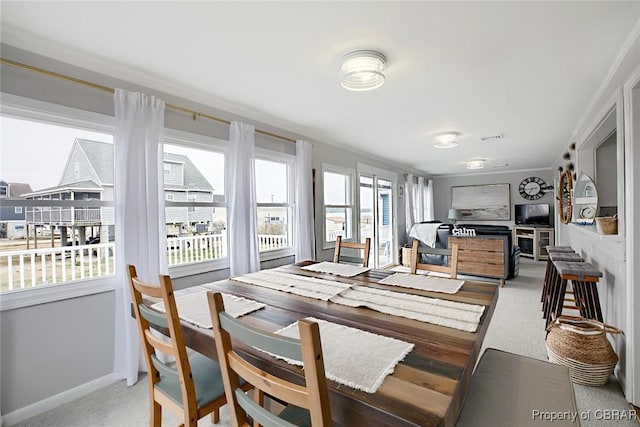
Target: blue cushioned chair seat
pixel 206 378
pixel 296 415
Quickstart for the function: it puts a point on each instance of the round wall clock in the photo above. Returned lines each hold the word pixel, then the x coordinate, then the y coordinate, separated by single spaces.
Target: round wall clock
pixel 533 188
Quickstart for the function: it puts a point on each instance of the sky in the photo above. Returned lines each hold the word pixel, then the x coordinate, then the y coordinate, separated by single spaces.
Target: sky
pixel 36 153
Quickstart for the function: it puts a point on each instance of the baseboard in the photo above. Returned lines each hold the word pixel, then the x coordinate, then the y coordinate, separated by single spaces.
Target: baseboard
pixel 49 403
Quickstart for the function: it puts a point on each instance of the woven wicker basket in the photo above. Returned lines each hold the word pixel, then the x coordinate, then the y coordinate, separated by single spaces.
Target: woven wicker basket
pixel 582 346
pixel 607 225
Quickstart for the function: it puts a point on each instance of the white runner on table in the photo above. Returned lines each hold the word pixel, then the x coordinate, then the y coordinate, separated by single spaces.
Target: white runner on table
pixel 363 363
pixel 344 270
pixel 425 283
pixel 293 283
pixel 194 307
pixel 458 315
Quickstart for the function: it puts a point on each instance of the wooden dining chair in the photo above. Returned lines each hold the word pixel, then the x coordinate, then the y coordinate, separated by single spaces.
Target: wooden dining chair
pixel 451 266
pixel 308 405
pixel 352 260
pixel 191 387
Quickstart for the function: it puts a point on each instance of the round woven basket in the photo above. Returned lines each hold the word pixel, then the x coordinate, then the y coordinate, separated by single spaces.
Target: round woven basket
pixel 582 346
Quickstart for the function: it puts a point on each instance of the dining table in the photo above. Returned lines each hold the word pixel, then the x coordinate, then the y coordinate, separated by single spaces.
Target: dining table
pixel 426 388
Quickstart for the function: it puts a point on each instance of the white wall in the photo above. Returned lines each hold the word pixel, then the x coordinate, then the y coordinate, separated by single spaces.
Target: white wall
pixel 442 190
pixel 610 253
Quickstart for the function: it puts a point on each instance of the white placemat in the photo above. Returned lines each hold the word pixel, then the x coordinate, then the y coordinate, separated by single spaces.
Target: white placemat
pixel 422 282
pixel 344 270
pixel 363 363
pixel 194 307
pixel 405 269
pixel 452 314
pixel 293 283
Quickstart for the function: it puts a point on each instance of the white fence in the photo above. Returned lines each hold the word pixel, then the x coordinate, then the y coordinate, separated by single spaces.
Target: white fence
pixel 33 267
pixel 28 268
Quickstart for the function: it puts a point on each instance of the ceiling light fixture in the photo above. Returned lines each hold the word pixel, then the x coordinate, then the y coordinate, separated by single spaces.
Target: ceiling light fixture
pixel 475 164
pixel 447 140
pixel 362 70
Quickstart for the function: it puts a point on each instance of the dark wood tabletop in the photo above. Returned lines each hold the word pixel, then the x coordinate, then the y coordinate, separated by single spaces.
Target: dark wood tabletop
pixel 426 389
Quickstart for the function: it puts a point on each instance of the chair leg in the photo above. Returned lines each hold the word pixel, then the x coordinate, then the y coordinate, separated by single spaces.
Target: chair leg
pixel 215 416
pixel 155 413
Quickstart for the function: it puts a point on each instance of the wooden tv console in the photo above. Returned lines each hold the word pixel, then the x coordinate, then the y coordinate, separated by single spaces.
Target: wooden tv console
pixel 483 256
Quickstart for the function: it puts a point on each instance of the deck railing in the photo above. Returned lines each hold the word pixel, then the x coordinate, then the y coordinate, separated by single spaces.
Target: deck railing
pixel 33 267
pixel 28 268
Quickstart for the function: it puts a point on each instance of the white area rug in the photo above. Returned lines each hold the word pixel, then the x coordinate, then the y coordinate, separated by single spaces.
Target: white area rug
pixel 363 363
pixel 194 308
pixel 344 270
pixel 425 283
pixel 299 285
pixel 458 315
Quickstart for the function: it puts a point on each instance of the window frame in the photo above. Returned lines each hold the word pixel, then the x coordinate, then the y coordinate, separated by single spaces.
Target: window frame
pixel 290 161
pixel 351 173
pixel 18 107
pixel 206 143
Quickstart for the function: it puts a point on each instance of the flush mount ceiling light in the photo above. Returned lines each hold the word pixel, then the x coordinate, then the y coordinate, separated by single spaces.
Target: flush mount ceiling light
pixel 475 164
pixel 447 140
pixel 362 70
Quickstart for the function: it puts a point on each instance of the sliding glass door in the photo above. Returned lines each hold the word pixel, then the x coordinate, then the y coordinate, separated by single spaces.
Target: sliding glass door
pixel 377 219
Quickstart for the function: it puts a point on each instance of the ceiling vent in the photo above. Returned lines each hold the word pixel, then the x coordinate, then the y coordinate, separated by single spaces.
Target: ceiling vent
pixel 498 137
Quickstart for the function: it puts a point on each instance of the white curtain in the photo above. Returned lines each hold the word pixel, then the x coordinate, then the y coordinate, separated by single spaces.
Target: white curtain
pixel 244 255
pixel 409 203
pixel 139 212
pixel 420 201
pixel 429 214
pixel 304 237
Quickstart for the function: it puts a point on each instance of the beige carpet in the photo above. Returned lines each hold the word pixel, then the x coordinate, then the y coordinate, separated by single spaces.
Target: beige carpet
pixel 517 326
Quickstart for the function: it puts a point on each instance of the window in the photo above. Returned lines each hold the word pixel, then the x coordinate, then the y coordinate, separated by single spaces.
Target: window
pixel 3 191
pixel 274 195
pixel 195 208
pixel 67 238
pixel 338 203
pixel 167 168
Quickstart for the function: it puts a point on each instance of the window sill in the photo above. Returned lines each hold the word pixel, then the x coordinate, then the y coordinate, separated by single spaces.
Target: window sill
pixel 43 294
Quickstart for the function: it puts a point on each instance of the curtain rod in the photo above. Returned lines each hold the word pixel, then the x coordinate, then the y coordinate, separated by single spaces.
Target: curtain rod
pixel 193 113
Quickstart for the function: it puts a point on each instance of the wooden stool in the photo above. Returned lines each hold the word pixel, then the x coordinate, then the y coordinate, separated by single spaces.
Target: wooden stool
pixel 559 248
pixel 551 275
pixel 552 249
pixel 583 277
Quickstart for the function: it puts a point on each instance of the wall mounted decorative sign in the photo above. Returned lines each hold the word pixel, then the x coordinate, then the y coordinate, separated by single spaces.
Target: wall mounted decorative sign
pixel 482 202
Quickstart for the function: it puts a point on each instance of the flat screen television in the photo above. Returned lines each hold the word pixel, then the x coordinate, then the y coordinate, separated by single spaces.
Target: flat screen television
pixel 533 214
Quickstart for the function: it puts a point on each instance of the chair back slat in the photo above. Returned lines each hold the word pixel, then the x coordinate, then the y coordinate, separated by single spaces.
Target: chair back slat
pixel 452 263
pixel 272 385
pixel 258 413
pixel 275 344
pixel 313 396
pixel 159 344
pixel 163 368
pixel 365 247
pixel 155 318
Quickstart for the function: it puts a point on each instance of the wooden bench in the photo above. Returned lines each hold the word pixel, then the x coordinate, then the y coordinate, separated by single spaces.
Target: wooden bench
pixel 512 390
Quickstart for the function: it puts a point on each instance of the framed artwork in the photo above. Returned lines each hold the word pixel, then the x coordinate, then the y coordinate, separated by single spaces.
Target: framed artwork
pixel 489 202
